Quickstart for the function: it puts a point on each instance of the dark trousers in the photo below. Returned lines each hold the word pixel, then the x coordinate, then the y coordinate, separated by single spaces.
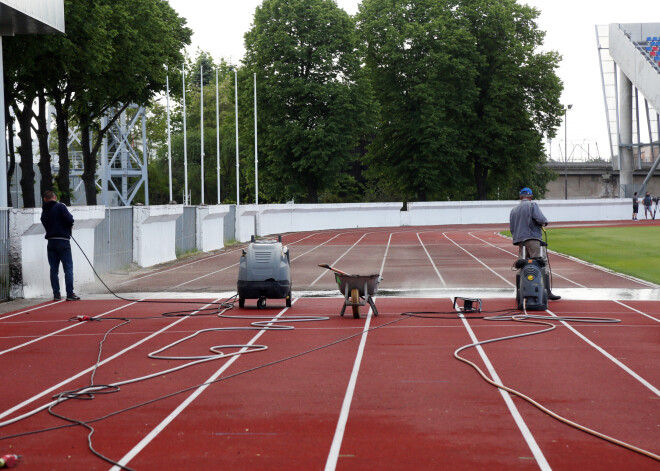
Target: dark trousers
pixel 59 250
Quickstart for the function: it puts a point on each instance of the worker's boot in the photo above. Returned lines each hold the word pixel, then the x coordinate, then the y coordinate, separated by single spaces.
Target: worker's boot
pixel 551 297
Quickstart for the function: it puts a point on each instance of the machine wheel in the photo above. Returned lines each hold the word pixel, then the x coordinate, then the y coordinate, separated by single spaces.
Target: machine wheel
pixel 288 299
pixel 241 302
pixel 261 303
pixel 355 300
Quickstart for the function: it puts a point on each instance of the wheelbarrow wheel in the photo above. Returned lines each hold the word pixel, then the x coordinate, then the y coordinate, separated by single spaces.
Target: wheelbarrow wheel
pixel 355 301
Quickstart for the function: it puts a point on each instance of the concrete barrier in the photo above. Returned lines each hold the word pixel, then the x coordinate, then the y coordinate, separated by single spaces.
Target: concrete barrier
pixel 496 212
pixel 30 273
pixel 282 218
pixel 154 228
pixel 210 227
pixel 246 222
pixel 154 234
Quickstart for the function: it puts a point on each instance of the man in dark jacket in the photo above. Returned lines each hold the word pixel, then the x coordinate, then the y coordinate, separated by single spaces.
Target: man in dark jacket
pixel 58 221
pixel 526 222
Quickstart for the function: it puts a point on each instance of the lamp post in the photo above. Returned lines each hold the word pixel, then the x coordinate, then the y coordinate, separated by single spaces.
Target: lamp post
pixel 217 131
pixel 238 198
pixel 568 107
pixel 169 136
pixel 185 141
pixel 256 160
pixel 201 123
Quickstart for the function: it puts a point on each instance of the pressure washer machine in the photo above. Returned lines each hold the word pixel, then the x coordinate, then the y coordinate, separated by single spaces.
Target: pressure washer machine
pixel 264 272
pixel 530 285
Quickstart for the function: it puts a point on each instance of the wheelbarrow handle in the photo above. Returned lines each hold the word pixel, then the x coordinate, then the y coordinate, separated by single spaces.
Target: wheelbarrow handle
pixel 325 265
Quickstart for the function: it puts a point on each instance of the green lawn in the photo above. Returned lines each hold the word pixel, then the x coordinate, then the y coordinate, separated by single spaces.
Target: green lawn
pixel 633 250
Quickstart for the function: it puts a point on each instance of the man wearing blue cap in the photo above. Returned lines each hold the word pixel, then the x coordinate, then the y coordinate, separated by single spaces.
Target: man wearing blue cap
pixel 526 222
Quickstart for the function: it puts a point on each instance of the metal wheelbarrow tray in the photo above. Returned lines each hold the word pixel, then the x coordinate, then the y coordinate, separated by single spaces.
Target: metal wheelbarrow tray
pixel 358 291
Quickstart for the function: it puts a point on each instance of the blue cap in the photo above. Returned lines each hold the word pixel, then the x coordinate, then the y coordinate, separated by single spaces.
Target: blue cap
pixel 525 192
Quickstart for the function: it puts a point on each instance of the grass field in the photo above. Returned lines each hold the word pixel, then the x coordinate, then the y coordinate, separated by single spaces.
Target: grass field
pixel 634 251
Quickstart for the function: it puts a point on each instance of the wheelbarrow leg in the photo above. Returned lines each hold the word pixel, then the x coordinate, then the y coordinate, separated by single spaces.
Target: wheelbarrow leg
pixel 372 304
pixel 343 309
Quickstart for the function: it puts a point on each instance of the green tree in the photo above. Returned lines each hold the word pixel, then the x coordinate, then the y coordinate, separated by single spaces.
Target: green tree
pixel 146 35
pixel 518 99
pixel 113 54
pixel 464 94
pixel 313 101
pixel 418 59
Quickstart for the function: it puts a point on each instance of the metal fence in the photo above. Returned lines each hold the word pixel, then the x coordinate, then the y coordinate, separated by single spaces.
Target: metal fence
pixel 5 284
pixel 113 240
pixel 186 231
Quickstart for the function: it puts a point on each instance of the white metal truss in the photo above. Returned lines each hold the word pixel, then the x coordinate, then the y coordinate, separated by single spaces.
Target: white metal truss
pixel 123 162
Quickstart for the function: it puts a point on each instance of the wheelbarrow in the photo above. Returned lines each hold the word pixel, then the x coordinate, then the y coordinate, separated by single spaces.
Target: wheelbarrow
pixel 357 290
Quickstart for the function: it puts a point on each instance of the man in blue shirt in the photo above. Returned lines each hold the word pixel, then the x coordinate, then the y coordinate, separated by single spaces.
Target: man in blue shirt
pixel 58 222
pixel 526 222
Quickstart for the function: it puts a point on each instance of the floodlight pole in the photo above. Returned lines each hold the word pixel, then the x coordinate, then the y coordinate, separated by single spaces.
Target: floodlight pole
pixel 217 131
pixel 566 150
pixel 185 141
pixel 238 197
pixel 201 124
pixel 256 159
pixel 169 136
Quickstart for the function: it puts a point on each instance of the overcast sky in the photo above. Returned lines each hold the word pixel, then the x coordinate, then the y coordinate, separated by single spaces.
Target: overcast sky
pixel 219 27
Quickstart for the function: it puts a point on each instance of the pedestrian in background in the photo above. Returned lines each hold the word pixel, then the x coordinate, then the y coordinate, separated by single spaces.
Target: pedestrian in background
pixel 647 201
pixel 58 222
pixel 635 206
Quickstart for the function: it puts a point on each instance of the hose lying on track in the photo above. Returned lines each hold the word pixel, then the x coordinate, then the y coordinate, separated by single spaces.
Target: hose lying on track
pixel 542 320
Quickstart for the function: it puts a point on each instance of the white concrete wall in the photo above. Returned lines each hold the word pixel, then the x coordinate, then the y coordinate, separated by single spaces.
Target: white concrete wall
pixel 154 234
pixel 210 227
pixel 28 257
pixel 154 228
pixel 282 218
pixel 494 212
pixel 246 222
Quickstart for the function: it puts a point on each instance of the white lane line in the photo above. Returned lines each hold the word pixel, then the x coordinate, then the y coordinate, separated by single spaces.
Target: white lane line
pixel 520 422
pixel 91 368
pixel 197 261
pixel 645 383
pixel 335 447
pixel 175 413
pixel 333 455
pixel 27 311
pixel 637 311
pixel 340 257
pixel 590 265
pixel 478 260
pixel 437 272
pixel 72 326
pixel 515 254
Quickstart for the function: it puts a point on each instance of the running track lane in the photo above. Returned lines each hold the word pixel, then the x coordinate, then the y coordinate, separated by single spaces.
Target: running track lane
pixel 414 405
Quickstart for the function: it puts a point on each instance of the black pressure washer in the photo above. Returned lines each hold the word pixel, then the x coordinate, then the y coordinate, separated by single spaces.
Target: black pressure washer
pixel 264 272
pixel 531 292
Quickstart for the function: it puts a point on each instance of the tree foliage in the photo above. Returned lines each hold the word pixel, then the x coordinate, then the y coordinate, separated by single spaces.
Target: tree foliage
pixel 113 54
pixel 313 100
pixel 465 96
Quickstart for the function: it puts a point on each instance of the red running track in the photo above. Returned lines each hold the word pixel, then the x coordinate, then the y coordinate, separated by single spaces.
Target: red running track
pixel 327 395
